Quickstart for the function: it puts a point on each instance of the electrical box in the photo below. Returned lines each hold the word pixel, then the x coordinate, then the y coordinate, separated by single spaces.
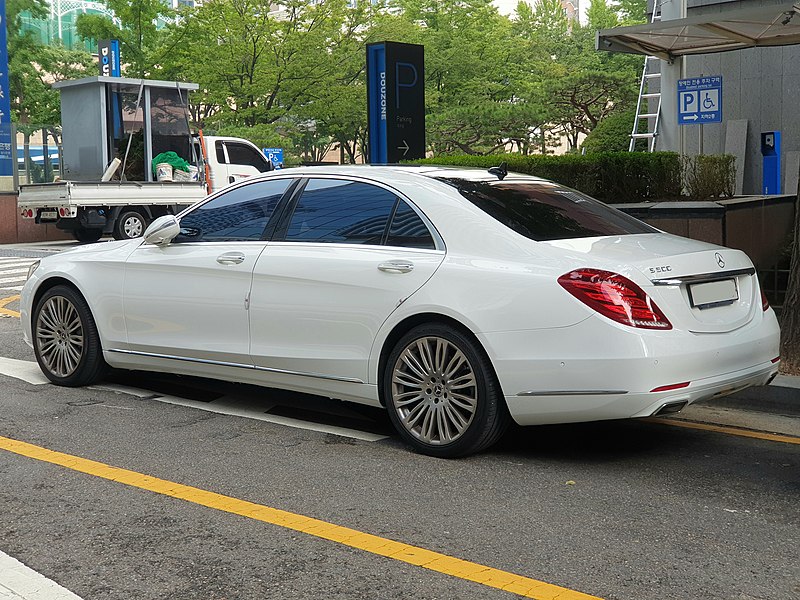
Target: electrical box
pixel 771 154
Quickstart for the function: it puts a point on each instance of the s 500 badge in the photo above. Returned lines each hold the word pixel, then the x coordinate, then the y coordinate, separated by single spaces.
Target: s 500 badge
pixel 662 269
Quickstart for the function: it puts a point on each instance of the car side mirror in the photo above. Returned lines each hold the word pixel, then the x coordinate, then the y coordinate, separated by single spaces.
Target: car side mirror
pixel 162 231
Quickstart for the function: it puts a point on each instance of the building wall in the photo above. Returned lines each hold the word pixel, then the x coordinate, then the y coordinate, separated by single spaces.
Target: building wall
pixel 760 85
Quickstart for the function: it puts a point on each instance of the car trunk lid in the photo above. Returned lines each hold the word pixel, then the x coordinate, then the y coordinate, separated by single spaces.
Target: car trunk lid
pixel 700 287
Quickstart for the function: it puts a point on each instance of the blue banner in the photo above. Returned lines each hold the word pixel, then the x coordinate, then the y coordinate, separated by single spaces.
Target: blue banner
pixel 108 55
pixel 377 100
pixel 6 154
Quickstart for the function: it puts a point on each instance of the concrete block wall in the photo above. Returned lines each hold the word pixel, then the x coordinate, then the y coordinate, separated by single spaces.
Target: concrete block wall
pixel 14 229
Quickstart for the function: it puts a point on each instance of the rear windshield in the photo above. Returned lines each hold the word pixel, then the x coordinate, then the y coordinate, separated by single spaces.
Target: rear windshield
pixel 544 211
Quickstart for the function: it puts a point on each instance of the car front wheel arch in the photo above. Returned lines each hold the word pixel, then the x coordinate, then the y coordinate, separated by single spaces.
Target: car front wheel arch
pixel 65 338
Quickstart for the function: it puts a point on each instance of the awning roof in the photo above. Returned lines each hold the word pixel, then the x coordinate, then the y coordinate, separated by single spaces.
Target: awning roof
pixel 777 25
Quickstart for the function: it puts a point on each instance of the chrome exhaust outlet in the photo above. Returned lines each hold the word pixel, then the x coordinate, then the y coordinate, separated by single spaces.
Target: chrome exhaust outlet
pixel 670 408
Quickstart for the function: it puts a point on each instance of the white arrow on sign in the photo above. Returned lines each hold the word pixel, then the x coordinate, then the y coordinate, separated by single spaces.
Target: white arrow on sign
pixel 404 147
pixel 691 118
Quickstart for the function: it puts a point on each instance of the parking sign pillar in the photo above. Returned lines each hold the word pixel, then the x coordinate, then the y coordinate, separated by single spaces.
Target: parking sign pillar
pixel 395 102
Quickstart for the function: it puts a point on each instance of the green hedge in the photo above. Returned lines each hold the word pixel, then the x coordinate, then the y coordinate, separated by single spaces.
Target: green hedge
pixel 613 177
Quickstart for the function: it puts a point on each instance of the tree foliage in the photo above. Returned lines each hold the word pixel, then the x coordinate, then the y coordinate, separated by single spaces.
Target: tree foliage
pixel 137 31
pixel 33 67
pixel 295 77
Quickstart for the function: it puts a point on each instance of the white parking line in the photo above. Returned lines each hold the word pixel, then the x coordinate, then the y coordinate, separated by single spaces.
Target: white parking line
pixel 25 370
pixel 18 582
pixel 29 371
pixel 13 271
pixel 239 408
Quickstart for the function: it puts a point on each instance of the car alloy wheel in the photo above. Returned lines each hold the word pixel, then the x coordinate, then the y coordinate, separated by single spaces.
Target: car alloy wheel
pixel 442 394
pixel 59 334
pixel 65 338
pixel 434 390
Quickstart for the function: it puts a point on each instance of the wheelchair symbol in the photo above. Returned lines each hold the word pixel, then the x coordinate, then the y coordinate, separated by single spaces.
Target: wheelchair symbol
pixel 708 103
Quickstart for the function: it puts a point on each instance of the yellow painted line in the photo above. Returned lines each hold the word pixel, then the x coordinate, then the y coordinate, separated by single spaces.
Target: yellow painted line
pixel 7 311
pixel 414 555
pixel 749 433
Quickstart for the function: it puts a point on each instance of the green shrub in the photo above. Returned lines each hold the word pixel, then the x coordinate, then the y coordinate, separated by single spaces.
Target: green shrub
pixel 614 177
pixel 612 134
pixel 708 177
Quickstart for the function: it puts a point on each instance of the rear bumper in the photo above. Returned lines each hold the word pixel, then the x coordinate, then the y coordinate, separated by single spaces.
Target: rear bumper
pixel 541 410
pixel 599 370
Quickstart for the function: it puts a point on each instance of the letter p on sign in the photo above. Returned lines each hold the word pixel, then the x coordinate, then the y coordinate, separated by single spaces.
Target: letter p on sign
pixel 688 102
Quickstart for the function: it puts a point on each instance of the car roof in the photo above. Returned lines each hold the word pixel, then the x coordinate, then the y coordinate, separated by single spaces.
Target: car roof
pixel 395 171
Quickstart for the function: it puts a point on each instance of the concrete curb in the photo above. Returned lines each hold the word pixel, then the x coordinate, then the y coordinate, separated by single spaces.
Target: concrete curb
pixel 781 397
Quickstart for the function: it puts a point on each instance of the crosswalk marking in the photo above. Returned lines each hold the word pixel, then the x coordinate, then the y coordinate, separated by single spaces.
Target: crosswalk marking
pixel 13 272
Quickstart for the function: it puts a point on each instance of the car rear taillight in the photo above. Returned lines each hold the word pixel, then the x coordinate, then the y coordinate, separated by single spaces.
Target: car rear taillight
pixel 764 301
pixel 615 297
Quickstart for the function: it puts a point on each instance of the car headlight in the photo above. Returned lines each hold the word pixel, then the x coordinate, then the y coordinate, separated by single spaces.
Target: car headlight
pixel 32 269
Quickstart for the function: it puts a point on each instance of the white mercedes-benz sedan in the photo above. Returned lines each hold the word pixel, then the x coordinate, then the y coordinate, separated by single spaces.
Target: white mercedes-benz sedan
pixel 456 299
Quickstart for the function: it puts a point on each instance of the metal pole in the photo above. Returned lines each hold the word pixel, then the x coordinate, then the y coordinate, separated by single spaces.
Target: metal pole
pixel 700 142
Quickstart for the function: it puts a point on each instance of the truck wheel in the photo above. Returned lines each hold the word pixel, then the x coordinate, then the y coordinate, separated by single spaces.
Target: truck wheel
pixel 87 235
pixel 130 224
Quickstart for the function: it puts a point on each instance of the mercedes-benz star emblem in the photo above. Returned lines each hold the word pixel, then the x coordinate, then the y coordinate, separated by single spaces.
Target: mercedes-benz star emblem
pixel 720 260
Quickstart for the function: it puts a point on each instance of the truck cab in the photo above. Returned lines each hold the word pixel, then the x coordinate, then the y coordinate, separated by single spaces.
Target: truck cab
pixel 232 159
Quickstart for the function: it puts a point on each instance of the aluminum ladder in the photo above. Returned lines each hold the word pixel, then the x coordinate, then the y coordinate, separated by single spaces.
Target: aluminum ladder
pixel 648 107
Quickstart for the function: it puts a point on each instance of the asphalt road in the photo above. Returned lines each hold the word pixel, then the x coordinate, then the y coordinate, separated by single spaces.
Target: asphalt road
pixel 618 510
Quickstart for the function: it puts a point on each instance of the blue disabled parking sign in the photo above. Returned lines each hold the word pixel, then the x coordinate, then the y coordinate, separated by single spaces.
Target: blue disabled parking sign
pixel 700 100
pixel 275 156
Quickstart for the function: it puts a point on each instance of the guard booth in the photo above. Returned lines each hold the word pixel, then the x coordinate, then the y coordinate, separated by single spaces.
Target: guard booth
pixel 130 119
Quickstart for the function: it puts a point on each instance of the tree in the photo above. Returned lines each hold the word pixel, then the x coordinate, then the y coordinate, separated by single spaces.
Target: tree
pixel 583 85
pixel 790 314
pixel 138 32
pixel 257 67
pixel 33 67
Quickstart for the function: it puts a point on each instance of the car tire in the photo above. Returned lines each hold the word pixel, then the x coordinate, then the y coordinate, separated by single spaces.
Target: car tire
pixel 65 338
pixel 87 235
pixel 442 394
pixel 130 224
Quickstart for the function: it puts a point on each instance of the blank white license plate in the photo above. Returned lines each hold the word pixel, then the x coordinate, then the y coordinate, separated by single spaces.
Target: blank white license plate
pixel 48 214
pixel 712 293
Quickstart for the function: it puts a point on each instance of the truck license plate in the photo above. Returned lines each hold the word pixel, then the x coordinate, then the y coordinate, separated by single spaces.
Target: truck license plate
pixel 48 214
pixel 713 293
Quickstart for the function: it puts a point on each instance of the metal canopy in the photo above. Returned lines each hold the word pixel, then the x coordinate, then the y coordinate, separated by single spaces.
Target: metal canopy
pixel 777 25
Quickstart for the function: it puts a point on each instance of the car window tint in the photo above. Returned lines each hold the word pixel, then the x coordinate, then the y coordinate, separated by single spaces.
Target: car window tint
pixel 408 229
pixel 338 211
pixel 238 215
pixel 546 211
pixel 240 154
pixel 220 153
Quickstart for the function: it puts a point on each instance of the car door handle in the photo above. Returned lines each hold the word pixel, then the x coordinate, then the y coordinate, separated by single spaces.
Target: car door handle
pixel 396 266
pixel 230 258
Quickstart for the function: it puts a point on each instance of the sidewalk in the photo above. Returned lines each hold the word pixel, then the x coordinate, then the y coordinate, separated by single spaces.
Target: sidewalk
pixel 781 397
pixel 774 408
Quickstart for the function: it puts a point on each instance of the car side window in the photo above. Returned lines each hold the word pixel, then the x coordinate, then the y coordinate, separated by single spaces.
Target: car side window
pixel 240 154
pixel 220 153
pixel 240 214
pixel 338 211
pixel 409 230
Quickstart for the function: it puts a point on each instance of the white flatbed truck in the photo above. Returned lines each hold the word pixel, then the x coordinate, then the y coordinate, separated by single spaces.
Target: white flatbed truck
pixel 90 207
